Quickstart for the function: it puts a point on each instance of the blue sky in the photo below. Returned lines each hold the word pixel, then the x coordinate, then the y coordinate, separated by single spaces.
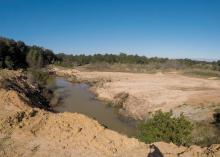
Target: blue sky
pixel 164 28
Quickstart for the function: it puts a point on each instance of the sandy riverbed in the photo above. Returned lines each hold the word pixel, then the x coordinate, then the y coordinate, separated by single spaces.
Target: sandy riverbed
pixel 197 98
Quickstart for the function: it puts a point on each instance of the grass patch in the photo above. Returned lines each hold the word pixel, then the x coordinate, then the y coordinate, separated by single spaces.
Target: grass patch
pixel 202 73
pixel 119 67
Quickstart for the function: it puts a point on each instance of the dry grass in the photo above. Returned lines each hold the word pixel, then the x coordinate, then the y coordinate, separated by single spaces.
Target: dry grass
pixel 203 73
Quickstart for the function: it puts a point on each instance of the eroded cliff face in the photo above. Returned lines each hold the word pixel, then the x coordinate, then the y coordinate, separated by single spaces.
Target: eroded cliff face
pixel 29 131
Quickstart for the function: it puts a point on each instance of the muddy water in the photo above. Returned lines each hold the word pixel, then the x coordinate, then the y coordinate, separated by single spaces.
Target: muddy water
pixel 76 97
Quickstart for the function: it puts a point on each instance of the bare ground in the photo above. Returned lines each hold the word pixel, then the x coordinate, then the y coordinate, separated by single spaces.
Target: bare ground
pixel 26 131
pixel 197 98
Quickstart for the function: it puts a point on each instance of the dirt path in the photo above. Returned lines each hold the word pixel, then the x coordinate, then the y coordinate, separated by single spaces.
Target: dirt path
pixel 146 93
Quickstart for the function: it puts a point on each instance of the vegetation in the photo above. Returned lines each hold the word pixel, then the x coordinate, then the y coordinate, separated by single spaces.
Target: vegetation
pixel 216 116
pixel 164 127
pixel 149 63
pixel 216 65
pixel 205 134
pixel 202 73
pixel 161 127
pixel 15 54
pixel 39 76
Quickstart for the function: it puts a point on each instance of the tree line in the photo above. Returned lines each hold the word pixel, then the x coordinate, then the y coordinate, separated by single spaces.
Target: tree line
pixel 16 54
pixel 122 58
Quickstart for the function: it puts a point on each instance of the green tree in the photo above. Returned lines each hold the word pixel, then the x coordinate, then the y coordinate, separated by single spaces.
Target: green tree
pixel 38 75
pixel 15 54
pixel 34 58
pixel 8 62
pixel 164 127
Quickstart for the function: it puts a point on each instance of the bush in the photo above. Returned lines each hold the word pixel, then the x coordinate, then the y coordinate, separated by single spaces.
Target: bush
pixel 38 76
pixel 9 63
pixel 216 116
pixel 34 58
pixel 205 134
pixel 164 127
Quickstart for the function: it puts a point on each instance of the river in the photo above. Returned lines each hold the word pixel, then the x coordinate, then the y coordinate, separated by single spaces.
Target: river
pixel 76 97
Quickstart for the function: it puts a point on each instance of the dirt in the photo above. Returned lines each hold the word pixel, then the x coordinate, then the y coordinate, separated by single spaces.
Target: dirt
pixel 26 131
pixel 150 92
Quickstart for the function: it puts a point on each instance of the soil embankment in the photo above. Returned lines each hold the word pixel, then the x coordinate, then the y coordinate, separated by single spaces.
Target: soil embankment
pixel 28 131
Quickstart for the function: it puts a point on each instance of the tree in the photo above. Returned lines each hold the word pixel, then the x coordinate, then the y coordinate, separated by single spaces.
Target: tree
pixel 164 127
pixel 34 58
pixel 8 62
pixel 15 54
pixel 3 50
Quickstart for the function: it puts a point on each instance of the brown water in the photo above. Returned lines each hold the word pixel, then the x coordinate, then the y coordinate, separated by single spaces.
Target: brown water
pixel 77 98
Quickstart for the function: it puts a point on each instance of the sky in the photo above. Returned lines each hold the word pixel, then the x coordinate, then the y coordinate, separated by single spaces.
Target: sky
pixel 163 28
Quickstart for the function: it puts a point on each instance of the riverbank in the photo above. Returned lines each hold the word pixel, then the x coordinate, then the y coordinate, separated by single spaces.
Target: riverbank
pixel 28 131
pixel 137 95
pixel 76 98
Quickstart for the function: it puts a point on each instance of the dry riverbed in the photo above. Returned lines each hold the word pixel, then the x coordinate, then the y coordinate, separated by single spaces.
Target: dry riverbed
pixel 139 94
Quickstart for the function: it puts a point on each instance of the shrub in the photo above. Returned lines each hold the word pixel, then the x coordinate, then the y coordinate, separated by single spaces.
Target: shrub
pixel 216 116
pixel 164 127
pixel 38 76
pixel 205 134
pixel 8 62
pixel 34 58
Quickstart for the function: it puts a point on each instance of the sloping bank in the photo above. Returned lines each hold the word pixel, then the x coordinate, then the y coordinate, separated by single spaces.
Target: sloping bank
pixel 28 131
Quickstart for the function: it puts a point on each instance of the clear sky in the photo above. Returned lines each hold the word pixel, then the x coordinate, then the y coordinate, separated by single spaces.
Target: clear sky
pixel 164 28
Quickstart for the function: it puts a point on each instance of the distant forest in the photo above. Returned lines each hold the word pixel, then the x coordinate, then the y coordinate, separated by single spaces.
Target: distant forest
pixel 16 54
pixel 122 58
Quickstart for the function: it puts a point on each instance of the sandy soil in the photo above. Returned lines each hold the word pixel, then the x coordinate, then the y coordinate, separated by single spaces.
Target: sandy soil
pixel 31 132
pixel 195 97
